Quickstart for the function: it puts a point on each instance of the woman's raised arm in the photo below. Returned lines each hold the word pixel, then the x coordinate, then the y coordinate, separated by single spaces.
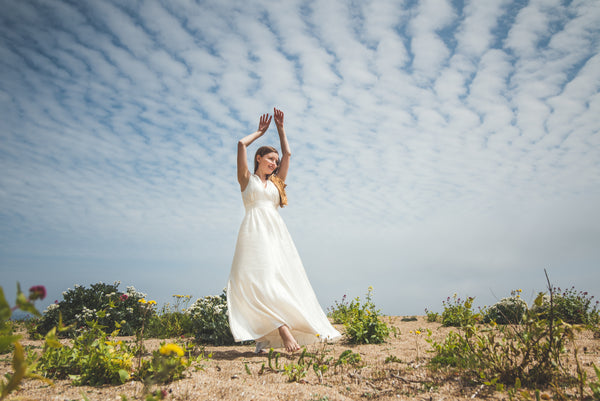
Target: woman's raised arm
pixel 243 174
pixel 286 153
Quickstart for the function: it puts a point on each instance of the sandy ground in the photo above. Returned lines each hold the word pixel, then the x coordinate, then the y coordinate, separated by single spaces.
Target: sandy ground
pixel 224 375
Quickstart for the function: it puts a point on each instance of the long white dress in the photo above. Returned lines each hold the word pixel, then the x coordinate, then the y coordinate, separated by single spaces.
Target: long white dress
pixel 268 286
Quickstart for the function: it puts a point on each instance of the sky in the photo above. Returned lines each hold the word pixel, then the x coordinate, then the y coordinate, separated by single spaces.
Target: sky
pixel 438 147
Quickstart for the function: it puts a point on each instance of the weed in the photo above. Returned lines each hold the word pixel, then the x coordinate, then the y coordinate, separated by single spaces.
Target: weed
pixel 363 325
pixel 458 312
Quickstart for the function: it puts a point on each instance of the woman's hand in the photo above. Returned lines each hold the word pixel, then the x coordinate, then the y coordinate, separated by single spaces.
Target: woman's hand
pixel 265 121
pixel 278 114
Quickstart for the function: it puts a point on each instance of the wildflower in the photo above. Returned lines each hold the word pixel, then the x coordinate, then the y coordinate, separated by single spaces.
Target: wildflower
pixel 142 300
pixel 318 335
pixel 37 292
pixel 169 349
pixel 417 331
pixel 151 302
pixel 123 297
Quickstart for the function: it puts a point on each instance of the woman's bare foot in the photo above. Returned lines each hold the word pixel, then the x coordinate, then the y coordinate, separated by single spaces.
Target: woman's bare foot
pixel 288 339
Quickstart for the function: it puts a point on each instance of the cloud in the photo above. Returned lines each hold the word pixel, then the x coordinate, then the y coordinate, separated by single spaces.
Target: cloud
pixel 435 145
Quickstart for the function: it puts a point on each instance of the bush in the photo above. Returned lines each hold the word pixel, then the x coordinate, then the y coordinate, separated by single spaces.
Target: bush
pixel 432 317
pixel 510 310
pixel 94 358
pixel 458 313
pixel 210 323
pixel 340 312
pixel 172 320
pixel 81 304
pixel 574 307
pixel 362 322
pixel 531 352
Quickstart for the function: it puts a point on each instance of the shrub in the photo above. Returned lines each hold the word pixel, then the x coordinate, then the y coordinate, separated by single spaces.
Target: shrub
pixel 340 311
pixel 575 307
pixel 95 358
pixel 458 312
pixel 210 323
pixel 432 317
pixel 81 304
pixel 531 352
pixel 363 325
pixel 172 320
pixel 510 310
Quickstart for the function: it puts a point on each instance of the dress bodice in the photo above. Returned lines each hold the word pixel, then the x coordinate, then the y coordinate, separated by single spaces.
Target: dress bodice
pixel 257 194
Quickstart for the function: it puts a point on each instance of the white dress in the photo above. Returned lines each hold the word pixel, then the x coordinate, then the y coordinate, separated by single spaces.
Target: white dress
pixel 268 286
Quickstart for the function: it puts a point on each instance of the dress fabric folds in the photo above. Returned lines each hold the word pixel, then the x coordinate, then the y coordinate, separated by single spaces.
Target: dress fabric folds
pixel 268 286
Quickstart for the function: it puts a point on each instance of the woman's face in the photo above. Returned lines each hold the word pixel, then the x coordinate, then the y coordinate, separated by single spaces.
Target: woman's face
pixel 267 163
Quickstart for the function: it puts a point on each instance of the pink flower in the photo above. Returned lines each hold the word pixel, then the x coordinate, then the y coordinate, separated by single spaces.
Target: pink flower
pixel 37 292
pixel 123 297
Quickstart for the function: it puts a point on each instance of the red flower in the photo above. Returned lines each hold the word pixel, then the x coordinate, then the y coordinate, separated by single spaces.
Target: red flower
pixel 37 292
pixel 124 297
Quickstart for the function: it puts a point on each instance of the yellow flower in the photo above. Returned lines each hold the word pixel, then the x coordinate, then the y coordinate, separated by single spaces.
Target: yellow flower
pixel 417 331
pixel 318 335
pixel 142 301
pixel 370 288
pixel 152 302
pixel 169 349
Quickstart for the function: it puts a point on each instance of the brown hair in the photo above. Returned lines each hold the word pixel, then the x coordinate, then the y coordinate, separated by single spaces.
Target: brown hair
pixel 279 184
pixel 265 150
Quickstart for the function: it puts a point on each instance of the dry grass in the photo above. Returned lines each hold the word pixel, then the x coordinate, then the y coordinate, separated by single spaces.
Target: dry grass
pixel 224 376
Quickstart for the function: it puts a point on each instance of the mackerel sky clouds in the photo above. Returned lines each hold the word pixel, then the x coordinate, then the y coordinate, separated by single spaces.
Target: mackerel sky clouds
pixel 438 147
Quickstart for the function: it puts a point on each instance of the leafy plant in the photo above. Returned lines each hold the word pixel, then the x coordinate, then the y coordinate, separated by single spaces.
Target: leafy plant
pixel 340 311
pixel 432 317
pixel 595 385
pixel 21 368
pixel 95 358
pixel 532 352
pixel 575 307
pixel 210 323
pixel 363 325
pixel 510 310
pixel 81 304
pixel 166 365
pixel 172 319
pixel 458 312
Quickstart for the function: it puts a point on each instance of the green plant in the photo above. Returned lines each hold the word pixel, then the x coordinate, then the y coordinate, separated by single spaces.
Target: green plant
pixel 22 368
pixel 81 304
pixel 575 307
pixel 363 325
pixel 210 323
pixel 595 386
pixel 340 311
pixel 95 358
pixel 172 320
pixel 532 352
pixel 432 317
pixel 166 365
pixel 510 310
pixel 458 312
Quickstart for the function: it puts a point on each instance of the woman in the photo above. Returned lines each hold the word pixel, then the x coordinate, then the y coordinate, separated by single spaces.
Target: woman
pixel 269 297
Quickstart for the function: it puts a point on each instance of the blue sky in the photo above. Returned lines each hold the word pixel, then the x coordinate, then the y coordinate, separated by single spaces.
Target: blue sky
pixel 438 147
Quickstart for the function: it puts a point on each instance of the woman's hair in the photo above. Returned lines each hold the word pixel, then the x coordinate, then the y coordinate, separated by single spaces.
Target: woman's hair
pixel 264 150
pixel 279 184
